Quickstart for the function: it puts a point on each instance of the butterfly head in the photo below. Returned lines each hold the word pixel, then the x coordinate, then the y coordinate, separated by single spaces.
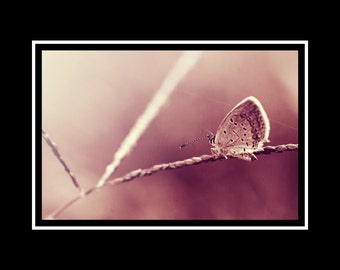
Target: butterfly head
pixel 211 138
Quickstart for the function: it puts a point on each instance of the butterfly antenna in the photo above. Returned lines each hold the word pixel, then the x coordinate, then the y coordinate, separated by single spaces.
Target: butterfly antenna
pixel 189 142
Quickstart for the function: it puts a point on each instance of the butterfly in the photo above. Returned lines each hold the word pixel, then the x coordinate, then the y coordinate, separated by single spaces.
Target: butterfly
pixel 243 131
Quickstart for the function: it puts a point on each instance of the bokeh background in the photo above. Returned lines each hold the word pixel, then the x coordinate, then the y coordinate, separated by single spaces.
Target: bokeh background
pixel 91 99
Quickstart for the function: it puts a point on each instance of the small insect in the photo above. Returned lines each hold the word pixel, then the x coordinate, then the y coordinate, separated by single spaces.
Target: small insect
pixel 243 131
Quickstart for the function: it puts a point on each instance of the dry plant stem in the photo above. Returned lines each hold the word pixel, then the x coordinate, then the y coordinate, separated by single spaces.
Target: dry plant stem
pixel 183 65
pixel 55 151
pixel 56 212
pixel 196 160
pixel 169 166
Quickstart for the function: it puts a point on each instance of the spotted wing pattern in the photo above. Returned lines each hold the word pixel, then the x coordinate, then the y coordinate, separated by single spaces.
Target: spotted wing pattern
pixel 244 130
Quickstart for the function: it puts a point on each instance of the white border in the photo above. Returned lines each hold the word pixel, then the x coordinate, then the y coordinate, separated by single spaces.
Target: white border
pixel 240 228
pixel 33 139
pixel 306 135
pixel 35 227
pixel 34 42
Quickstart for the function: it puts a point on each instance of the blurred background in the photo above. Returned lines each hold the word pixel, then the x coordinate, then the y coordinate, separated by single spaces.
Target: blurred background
pixel 91 99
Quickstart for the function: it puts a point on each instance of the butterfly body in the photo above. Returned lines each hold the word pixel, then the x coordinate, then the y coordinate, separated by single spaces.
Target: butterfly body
pixel 243 131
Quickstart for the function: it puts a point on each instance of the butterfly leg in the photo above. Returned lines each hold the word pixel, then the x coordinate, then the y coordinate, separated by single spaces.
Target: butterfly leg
pixel 253 157
pixel 218 153
pixel 245 156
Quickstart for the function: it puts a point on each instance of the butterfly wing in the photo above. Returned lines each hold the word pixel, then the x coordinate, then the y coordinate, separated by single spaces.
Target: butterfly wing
pixel 243 130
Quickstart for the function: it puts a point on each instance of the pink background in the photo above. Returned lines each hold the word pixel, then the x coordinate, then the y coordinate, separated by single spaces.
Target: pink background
pixel 91 99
